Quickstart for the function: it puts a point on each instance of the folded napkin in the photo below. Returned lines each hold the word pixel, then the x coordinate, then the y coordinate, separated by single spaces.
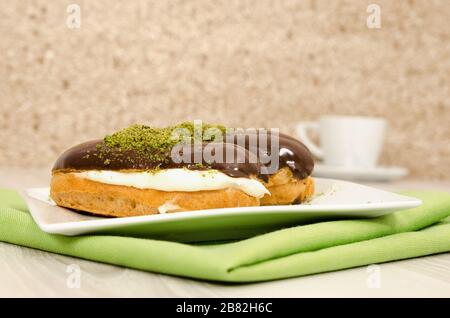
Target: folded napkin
pixel 296 251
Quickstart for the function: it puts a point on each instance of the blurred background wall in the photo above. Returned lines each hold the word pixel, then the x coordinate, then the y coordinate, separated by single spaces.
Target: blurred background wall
pixel 242 63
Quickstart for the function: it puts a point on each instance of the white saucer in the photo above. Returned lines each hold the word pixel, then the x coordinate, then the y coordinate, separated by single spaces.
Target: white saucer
pixel 366 174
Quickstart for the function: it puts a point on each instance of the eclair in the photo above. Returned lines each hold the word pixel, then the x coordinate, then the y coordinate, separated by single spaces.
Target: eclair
pixel 136 171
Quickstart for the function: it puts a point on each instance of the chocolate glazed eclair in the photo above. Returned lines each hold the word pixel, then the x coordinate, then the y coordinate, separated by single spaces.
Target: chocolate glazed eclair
pixel 134 172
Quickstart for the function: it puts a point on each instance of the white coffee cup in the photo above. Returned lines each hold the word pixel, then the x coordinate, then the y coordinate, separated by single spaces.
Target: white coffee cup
pixel 348 141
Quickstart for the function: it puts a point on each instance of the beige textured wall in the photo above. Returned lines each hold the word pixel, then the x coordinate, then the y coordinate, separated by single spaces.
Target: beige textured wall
pixel 244 63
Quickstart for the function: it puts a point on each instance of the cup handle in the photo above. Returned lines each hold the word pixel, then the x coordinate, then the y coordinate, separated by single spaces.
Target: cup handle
pixel 302 133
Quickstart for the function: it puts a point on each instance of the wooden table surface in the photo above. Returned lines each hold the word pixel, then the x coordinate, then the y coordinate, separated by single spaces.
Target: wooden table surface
pixel 26 272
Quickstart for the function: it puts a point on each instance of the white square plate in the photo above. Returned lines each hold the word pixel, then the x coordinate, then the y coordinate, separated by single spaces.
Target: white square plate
pixel 334 199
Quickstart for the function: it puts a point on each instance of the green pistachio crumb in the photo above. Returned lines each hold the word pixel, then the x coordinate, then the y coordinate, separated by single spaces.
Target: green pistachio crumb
pixel 156 142
pixel 198 165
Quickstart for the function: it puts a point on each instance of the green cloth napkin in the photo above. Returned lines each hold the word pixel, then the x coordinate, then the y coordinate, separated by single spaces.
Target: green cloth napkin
pixel 296 251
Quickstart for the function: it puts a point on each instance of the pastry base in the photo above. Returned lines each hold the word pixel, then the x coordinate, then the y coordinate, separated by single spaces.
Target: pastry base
pixel 285 189
pixel 70 191
pixel 73 192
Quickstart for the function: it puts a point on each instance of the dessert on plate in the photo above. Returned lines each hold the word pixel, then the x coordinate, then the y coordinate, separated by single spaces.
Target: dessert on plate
pixel 144 170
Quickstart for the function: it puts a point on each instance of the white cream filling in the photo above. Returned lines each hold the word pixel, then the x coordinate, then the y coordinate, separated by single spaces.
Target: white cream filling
pixel 168 207
pixel 177 180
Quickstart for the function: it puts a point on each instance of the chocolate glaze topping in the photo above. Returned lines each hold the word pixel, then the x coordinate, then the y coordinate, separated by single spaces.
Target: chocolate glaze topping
pixel 96 155
pixel 291 152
